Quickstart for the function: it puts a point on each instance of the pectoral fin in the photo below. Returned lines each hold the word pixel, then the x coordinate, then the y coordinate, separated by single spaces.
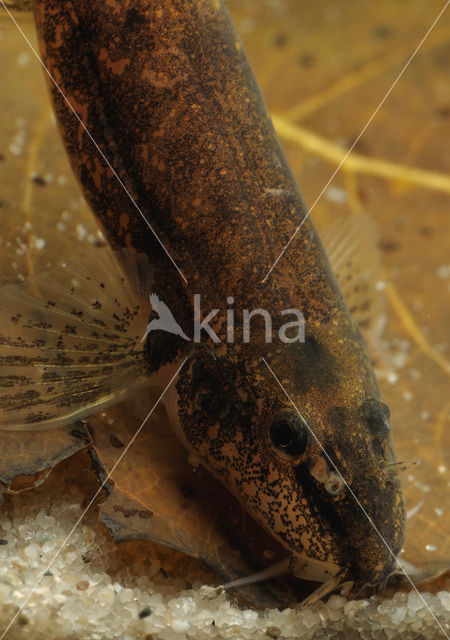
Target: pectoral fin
pixel 70 342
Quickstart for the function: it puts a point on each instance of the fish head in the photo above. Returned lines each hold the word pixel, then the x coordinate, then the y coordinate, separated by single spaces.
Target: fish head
pixel 351 478
pixel 345 470
pixel 315 467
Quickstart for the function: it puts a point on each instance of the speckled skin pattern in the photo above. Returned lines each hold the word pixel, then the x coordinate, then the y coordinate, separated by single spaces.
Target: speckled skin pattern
pixel 167 92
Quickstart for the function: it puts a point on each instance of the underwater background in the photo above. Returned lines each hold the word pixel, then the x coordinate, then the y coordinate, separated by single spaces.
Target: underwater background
pixel 323 68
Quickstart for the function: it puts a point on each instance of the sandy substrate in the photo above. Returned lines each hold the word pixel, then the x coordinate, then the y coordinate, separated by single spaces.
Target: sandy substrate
pixel 75 600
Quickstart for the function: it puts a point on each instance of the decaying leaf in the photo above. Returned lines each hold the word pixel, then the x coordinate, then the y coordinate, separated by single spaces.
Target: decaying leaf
pixel 157 493
pixel 30 453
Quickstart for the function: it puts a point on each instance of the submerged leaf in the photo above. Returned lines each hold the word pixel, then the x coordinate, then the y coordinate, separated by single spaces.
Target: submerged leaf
pixel 32 452
pixel 156 493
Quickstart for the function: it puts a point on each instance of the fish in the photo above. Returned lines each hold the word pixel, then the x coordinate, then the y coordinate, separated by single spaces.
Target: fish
pixel 176 154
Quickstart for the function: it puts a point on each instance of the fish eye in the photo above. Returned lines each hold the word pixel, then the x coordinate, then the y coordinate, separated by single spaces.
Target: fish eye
pixel 289 434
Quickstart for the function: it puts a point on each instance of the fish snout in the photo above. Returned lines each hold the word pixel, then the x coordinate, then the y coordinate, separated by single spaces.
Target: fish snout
pixel 375 527
pixel 368 515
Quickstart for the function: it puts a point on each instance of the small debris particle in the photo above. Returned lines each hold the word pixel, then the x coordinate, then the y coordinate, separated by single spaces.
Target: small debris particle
pixel 438 512
pixel 145 513
pixel 23 59
pixel 101 240
pixel 424 230
pixel 3 541
pixel 81 232
pixel 307 60
pixel 115 442
pixel 144 613
pixel 412 512
pixel 336 194
pixel 15 149
pixel 38 179
pixel 444 271
pixel 423 487
pixel 443 112
pixel 442 468
pixel 22 620
pixel 382 31
pixel 37 243
pixel 280 40
pixel 430 547
pixel 392 378
pixel 83 585
pixel 389 245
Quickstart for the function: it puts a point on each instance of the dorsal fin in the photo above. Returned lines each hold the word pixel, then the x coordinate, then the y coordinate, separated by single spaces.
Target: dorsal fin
pixel 351 245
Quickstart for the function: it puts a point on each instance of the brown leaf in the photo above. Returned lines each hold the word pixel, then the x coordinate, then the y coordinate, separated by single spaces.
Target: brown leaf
pixel 26 453
pixel 156 494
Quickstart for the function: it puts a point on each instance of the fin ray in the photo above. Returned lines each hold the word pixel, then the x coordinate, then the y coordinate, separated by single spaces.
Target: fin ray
pixel 70 340
pixel 351 245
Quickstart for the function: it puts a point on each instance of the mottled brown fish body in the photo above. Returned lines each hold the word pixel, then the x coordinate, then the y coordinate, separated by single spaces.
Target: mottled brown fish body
pixel 167 93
